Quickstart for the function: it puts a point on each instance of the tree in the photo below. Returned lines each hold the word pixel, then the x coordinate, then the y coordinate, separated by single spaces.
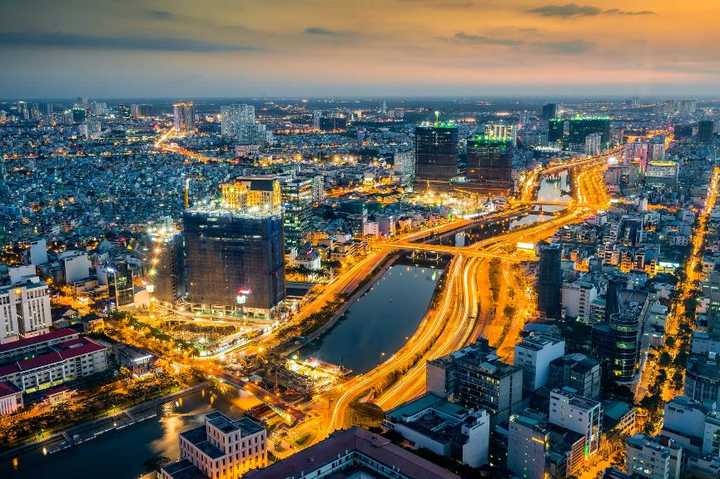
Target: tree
pixel 665 359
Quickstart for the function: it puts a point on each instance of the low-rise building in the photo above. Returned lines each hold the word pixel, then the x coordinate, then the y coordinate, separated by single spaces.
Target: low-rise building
pixel 578 414
pixel 10 398
pixel 476 378
pixel 649 458
pixel 534 354
pixel 55 363
pixel 432 422
pixel 221 448
pixel 577 371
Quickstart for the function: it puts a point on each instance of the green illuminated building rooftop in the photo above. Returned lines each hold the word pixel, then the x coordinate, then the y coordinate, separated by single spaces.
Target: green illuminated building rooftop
pixel 491 140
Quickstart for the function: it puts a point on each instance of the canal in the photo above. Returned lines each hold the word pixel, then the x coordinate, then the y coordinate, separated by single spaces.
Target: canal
pixel 380 321
pixel 126 453
pixel 555 188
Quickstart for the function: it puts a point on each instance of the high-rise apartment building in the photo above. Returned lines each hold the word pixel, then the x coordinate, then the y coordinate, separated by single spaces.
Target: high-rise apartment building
pixel 24 310
pixel 549 283
pixel 183 117
pixel 436 152
pixel 593 144
pixel 240 124
pixel 234 248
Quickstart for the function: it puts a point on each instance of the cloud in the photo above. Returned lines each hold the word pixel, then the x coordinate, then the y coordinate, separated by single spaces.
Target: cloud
pixel 617 11
pixel 483 40
pixel 441 3
pixel 325 32
pixel 94 42
pixel 573 10
pixel 572 47
pixel 159 14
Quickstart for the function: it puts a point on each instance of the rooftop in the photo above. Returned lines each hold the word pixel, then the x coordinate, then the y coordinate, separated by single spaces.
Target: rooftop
pixel 52 335
pixel 354 441
pixel 183 470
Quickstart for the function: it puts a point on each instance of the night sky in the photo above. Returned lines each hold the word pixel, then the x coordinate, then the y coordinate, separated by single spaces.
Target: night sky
pixel 218 48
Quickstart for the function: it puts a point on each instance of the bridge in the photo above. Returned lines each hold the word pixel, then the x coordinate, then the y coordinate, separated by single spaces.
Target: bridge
pixel 454 250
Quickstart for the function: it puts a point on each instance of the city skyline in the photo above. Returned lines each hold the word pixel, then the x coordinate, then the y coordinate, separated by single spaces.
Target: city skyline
pixel 411 48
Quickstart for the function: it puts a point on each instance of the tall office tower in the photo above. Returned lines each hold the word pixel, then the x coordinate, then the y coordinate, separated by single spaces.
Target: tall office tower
pixel 502 131
pixel 592 144
pixel 166 263
pixel 234 248
pixel 617 345
pixel 24 310
pixel 489 160
pixel 571 133
pixel 183 117
pixel 436 151
pixel 120 284
pixel 549 282
pixel 578 414
pixel 297 202
pixel 706 129
pixel 476 378
pixel 549 111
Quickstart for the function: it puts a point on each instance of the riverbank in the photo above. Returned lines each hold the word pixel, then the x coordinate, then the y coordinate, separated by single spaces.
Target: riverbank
pixel 367 283
pixel 88 430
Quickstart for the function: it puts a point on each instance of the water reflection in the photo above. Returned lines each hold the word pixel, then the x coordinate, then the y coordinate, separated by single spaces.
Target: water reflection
pixel 377 324
pixel 122 454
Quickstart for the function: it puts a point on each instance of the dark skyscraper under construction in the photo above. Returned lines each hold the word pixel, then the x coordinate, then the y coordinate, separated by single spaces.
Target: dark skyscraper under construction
pixel 489 161
pixel 234 249
pixel 436 152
